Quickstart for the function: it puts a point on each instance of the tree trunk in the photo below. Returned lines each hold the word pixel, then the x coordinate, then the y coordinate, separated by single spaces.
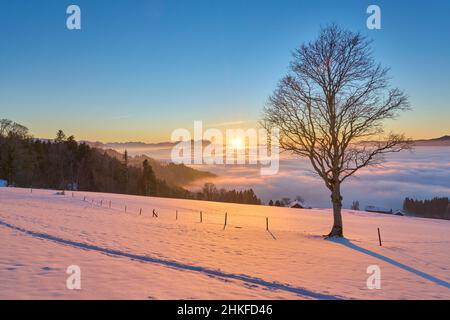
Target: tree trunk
pixel 336 199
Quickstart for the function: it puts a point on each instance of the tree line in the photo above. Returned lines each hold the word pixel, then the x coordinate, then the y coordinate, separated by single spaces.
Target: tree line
pixel 63 163
pixel 286 202
pixel 211 193
pixel 438 208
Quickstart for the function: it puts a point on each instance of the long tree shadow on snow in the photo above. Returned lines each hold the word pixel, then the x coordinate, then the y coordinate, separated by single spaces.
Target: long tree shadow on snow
pixel 177 265
pixel 422 274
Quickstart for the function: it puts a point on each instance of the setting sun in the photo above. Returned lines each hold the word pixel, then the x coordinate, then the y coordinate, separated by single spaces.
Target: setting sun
pixel 237 143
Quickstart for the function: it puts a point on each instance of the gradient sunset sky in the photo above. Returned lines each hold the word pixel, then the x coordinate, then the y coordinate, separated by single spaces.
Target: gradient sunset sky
pixel 140 69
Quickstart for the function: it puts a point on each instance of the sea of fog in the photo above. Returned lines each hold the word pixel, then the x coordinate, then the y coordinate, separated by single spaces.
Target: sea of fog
pixel 421 173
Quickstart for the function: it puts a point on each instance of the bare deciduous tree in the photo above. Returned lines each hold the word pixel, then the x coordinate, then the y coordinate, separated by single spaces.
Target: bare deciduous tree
pixel 331 107
pixel 10 128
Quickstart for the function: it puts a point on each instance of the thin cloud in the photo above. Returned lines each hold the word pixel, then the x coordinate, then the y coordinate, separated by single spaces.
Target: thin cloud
pixel 230 123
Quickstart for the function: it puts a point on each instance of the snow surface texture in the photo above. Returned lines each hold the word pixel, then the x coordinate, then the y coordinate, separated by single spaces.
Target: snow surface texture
pixel 125 255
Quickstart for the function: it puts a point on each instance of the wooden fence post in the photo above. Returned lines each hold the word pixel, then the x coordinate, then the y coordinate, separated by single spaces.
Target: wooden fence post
pixel 201 217
pixel 225 224
pixel 176 215
pixel 267 223
pixel 379 237
pixel 140 211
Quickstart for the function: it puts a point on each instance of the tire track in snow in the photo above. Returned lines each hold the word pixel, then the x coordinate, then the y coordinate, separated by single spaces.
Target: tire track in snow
pixel 176 265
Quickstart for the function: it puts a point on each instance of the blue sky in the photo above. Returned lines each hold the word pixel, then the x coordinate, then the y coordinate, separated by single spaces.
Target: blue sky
pixel 139 69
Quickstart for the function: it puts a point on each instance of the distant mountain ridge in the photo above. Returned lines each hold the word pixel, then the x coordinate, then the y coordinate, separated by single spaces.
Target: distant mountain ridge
pixel 127 145
pixel 134 144
pixel 443 141
pixel 443 138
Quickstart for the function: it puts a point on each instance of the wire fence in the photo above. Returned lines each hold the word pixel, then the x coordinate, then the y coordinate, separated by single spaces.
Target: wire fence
pixel 222 219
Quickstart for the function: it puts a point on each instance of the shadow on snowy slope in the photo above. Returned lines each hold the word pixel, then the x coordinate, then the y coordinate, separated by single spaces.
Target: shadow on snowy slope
pixel 422 274
pixel 178 265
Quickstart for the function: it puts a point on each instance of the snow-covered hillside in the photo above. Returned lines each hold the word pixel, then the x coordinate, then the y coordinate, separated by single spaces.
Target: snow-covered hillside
pixel 124 255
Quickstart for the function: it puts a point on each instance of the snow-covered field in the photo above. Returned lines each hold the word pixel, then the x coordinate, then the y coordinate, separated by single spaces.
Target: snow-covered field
pixel 124 255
